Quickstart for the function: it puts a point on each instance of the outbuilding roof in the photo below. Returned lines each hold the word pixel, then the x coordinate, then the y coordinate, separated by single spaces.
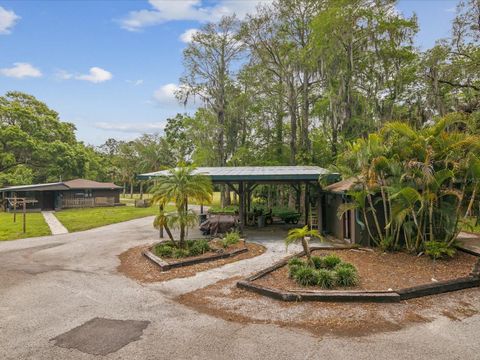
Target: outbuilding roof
pixel 342 186
pixel 63 185
pixel 254 173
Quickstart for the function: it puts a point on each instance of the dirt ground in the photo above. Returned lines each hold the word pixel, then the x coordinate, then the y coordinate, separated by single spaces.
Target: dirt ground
pixel 135 265
pixel 382 271
pixel 224 300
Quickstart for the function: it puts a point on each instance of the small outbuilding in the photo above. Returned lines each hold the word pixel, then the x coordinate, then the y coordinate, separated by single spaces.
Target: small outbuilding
pixel 78 193
pixel 349 227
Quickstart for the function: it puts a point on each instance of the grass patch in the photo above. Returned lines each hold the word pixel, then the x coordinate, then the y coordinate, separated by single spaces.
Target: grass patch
pixel 36 226
pixel 130 201
pixel 84 219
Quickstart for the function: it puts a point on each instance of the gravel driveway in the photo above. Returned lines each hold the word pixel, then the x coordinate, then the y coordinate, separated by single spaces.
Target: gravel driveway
pixel 62 298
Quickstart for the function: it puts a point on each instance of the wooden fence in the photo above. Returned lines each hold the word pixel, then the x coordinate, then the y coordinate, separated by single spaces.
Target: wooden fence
pixel 87 202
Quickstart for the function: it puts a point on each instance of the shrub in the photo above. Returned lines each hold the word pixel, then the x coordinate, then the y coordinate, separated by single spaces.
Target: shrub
pixel 330 261
pixel 345 265
pixel 306 276
pixel 317 262
pixel 231 238
pixel 199 247
pixel 164 250
pixel 180 253
pixel 439 249
pixel 386 244
pixel 326 279
pixel 296 261
pixel 293 269
pixel 346 275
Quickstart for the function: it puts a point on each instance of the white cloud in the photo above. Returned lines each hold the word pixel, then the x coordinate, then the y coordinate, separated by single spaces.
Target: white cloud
pixel 135 82
pixel 165 95
pixel 187 36
pixel 21 70
pixel 96 75
pixel 131 127
pixel 8 19
pixel 162 11
pixel 63 75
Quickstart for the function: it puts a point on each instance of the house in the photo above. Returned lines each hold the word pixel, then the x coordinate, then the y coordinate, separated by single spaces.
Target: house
pixel 78 193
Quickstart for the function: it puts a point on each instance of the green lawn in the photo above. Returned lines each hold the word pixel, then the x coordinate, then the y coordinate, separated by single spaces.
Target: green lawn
pixel 130 201
pixel 84 219
pixel 36 226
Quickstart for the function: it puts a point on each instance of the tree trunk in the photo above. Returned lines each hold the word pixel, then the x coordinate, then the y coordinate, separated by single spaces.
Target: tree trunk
pixel 169 233
pixel 472 200
pixel 181 242
pixel 293 125
pixel 306 249
pixel 305 115
pixel 131 189
pixel 141 189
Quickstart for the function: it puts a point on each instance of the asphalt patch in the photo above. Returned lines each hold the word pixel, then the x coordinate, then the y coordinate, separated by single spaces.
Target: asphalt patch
pixel 101 336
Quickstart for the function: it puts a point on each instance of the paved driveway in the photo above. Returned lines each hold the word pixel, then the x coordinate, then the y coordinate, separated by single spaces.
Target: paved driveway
pixel 61 287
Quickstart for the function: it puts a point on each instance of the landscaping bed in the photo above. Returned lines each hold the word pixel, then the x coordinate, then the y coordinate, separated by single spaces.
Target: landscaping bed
pixel 226 301
pixel 136 266
pixel 382 271
pixel 196 252
pixel 382 277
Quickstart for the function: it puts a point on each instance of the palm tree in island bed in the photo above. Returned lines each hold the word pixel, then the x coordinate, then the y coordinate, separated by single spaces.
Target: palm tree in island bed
pixel 303 235
pixel 180 187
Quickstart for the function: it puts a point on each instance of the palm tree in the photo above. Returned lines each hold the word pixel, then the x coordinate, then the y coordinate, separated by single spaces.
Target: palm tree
pixel 162 221
pixel 180 186
pixel 303 235
pixel 424 179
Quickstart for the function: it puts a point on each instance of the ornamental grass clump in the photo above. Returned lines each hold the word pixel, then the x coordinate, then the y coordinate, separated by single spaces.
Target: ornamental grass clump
pixel 296 261
pixel 346 275
pixel 326 272
pixel 199 247
pixel 293 269
pixel 330 261
pixel 306 276
pixel 326 279
pixel 164 250
pixel 180 253
pixel 317 262
pixel 231 238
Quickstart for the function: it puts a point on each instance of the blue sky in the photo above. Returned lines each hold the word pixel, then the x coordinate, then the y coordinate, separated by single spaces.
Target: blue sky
pixel 111 67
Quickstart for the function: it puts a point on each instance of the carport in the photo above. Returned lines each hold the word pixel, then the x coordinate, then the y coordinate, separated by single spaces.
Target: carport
pixel 244 179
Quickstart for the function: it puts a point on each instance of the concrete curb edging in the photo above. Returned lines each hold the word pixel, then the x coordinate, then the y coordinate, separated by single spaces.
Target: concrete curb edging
pixel 354 296
pixel 165 266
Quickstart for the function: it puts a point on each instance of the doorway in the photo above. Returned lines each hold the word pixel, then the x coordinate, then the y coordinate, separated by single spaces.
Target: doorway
pixel 48 200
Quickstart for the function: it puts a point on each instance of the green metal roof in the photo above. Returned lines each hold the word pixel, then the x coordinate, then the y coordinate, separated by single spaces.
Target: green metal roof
pixel 254 173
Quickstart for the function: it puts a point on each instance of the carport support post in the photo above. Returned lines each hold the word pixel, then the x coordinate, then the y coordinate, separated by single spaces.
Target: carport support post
pixel 24 215
pixel 241 203
pixel 15 208
pixel 307 205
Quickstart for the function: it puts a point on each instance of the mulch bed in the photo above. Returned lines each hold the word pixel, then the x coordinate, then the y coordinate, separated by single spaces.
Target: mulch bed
pixel 382 271
pixel 136 266
pixel 214 244
pixel 224 300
